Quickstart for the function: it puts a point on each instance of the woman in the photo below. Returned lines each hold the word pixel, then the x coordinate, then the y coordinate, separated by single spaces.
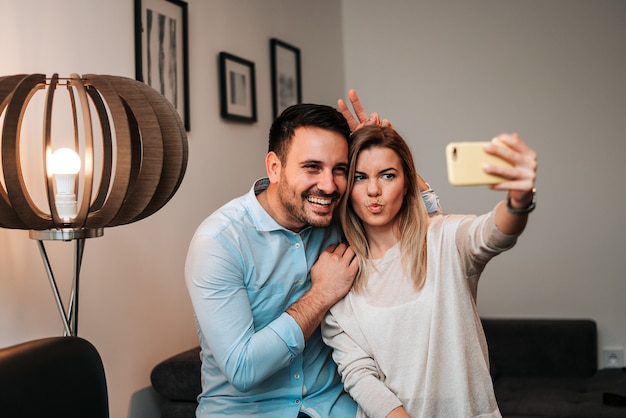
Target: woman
pixel 407 338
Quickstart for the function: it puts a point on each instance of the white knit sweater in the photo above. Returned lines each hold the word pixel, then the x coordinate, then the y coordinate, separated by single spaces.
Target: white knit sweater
pixel 424 350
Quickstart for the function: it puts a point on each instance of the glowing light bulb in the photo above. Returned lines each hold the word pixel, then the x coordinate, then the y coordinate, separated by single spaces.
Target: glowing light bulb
pixel 64 164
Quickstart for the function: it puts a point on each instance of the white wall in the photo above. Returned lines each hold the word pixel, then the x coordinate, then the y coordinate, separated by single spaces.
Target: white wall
pixel 554 71
pixel 134 305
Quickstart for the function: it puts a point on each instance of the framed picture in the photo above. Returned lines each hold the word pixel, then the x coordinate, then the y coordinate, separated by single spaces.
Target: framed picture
pixel 286 82
pixel 237 88
pixel 161 50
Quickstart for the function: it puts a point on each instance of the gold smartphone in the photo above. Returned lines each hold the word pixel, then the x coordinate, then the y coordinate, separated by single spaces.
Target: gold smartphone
pixel 465 162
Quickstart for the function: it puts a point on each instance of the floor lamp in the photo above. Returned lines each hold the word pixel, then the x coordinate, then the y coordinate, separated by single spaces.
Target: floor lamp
pixel 120 169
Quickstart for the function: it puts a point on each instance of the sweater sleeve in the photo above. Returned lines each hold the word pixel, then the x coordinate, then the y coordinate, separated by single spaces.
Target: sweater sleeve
pixel 479 240
pixel 359 372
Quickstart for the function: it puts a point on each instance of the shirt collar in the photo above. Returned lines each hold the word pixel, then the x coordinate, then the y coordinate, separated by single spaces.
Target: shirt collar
pixel 261 219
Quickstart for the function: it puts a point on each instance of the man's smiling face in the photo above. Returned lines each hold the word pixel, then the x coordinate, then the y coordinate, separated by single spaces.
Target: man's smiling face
pixel 313 177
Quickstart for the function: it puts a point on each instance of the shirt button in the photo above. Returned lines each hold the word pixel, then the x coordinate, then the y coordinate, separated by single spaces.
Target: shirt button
pixel 297 245
pixel 300 282
pixel 297 375
pixel 297 401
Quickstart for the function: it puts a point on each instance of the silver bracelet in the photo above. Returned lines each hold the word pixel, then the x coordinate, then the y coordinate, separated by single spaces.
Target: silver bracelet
pixel 523 211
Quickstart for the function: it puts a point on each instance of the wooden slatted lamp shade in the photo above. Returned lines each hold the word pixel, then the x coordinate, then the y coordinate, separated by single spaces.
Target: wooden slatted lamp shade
pixel 132 161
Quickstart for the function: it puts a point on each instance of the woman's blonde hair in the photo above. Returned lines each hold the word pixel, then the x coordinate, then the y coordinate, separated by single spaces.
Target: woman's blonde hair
pixel 413 217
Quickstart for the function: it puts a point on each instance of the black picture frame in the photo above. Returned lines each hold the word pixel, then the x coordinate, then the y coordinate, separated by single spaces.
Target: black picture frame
pixel 162 52
pixel 286 75
pixel 237 88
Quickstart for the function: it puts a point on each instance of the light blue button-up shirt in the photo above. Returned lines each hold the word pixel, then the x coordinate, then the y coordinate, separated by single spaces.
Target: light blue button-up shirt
pixel 243 271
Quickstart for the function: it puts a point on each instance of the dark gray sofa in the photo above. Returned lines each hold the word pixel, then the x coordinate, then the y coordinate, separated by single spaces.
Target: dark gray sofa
pixel 540 367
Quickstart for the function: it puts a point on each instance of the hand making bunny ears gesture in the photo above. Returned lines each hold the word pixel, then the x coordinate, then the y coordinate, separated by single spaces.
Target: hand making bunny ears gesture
pixel 361 116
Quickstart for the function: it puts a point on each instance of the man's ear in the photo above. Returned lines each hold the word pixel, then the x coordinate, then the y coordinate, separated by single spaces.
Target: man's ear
pixel 273 166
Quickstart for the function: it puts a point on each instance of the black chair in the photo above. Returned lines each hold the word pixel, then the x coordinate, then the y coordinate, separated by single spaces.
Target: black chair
pixel 53 377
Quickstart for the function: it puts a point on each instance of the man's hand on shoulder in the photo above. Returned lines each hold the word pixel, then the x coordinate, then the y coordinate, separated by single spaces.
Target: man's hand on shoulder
pixel 332 276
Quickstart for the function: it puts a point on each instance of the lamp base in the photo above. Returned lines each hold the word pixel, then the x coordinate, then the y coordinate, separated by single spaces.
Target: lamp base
pixel 65 234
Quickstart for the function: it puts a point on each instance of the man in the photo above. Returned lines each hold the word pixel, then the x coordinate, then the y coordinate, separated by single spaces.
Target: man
pixel 263 270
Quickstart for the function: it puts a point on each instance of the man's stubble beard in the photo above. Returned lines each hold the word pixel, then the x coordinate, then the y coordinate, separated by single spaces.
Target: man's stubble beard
pixel 295 206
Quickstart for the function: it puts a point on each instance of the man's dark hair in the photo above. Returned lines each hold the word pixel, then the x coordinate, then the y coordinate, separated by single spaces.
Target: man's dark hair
pixel 304 115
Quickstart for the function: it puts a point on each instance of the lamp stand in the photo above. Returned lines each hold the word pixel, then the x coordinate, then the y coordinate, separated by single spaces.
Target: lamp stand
pixel 69 317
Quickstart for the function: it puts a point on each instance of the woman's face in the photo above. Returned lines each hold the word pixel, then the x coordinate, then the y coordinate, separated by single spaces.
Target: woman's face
pixel 379 188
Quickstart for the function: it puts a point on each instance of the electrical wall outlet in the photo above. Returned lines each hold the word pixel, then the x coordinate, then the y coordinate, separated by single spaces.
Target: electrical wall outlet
pixel 613 357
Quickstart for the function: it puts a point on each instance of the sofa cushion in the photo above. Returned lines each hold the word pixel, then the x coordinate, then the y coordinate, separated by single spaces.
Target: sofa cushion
pixel 173 409
pixel 542 347
pixel 570 397
pixel 178 377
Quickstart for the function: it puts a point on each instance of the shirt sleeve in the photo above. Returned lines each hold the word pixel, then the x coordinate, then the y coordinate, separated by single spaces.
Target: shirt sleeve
pixel 214 274
pixel 431 200
pixel 360 374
